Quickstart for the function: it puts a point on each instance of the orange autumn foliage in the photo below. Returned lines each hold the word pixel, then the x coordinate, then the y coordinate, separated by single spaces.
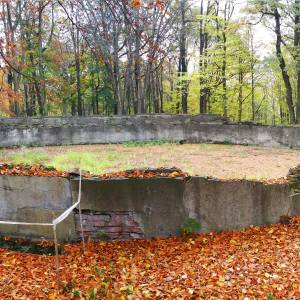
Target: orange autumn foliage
pixel 158 3
pixel 7 96
pixel 30 170
pixel 136 4
pixel 255 263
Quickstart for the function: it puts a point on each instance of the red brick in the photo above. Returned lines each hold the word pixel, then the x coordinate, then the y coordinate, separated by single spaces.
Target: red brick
pixel 118 220
pixel 117 229
pixel 134 229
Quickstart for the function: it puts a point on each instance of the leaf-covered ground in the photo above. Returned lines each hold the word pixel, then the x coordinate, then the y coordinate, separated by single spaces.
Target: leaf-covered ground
pixel 255 263
pixel 44 171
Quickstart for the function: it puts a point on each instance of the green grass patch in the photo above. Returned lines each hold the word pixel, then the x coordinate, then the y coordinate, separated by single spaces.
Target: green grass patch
pixel 94 162
pixel 114 156
pixel 29 157
pixel 87 161
pixel 148 143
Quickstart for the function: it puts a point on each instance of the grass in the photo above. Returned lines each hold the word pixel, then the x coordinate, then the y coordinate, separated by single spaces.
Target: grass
pixel 29 157
pixel 221 161
pixel 148 143
pixel 87 161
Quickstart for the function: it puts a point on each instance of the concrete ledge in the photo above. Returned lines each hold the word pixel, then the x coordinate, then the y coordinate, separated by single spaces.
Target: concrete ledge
pixel 103 130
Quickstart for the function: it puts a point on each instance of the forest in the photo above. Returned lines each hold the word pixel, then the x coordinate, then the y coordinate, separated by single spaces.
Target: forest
pixel 124 57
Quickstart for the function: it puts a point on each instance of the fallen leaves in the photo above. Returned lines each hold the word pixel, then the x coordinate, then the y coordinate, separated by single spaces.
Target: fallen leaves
pixel 146 173
pixel 30 170
pixel 281 180
pixel 255 263
pixel 44 171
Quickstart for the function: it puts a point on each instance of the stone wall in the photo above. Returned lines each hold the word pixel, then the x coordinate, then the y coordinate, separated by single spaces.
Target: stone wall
pixel 101 130
pixel 139 208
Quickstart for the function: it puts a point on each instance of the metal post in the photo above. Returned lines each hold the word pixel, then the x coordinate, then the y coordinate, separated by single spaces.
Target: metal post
pixel 81 229
pixel 56 257
pixel 80 215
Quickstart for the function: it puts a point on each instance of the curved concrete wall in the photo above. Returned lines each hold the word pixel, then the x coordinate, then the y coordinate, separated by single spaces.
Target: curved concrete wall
pixel 102 130
pixel 139 208
pixel 159 207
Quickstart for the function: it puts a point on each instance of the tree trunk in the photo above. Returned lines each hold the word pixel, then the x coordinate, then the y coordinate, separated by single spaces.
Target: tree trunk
pixel 252 76
pixel 13 77
pixel 183 58
pixel 78 84
pixel 204 88
pixel 137 67
pixel 116 71
pixel 240 96
pixel 297 52
pixel 42 79
pixel 224 79
pixel 76 45
pixel 282 64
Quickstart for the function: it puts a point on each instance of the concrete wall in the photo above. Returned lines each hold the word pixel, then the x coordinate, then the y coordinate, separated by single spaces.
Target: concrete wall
pixel 35 199
pixel 156 204
pixel 160 206
pixel 100 130
pixel 139 208
pixel 220 205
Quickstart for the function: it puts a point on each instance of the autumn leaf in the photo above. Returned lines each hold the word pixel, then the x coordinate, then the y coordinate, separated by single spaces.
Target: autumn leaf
pixel 247 264
pixel 136 4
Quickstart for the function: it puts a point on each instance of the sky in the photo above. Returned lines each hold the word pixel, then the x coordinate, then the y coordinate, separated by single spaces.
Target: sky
pixel 263 37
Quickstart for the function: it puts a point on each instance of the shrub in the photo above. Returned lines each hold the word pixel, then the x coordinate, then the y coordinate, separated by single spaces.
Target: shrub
pixel 191 226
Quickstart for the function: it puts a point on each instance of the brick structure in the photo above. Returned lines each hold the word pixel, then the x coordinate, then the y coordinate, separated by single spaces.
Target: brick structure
pixel 109 225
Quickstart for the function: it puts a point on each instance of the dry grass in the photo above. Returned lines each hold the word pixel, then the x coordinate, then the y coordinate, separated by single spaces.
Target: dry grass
pixel 222 161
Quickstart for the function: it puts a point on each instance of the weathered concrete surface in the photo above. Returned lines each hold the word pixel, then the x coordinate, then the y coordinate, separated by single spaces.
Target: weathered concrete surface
pixel 156 203
pixel 136 208
pixel 101 130
pixel 220 205
pixel 296 205
pixel 35 199
pixel 161 206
